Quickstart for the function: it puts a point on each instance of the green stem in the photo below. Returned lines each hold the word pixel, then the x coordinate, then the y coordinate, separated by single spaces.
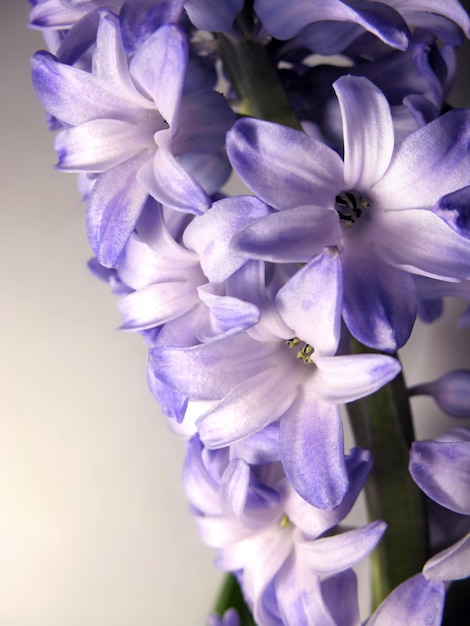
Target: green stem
pixel 382 423
pixel 255 79
pixel 231 597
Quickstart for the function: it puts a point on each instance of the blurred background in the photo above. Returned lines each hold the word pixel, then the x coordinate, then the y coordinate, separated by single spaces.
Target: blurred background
pixel 94 528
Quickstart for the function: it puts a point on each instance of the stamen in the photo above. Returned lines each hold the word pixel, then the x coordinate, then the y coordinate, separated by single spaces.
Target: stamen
pixel 305 351
pixel 350 207
pixel 290 343
pixel 285 521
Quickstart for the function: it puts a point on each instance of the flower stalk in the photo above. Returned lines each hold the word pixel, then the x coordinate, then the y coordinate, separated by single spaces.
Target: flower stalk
pixel 382 423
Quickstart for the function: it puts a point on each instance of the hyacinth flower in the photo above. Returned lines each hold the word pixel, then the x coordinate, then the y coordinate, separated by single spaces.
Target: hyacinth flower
pixel 127 123
pixel 271 317
pixel 271 538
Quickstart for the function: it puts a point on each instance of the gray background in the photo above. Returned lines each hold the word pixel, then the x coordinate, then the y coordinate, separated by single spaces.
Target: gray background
pixel 94 529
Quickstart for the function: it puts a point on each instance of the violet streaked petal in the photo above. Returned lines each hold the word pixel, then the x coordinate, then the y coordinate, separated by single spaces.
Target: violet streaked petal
pixel 344 586
pixel 159 68
pixel 256 402
pixel 313 521
pixel 429 163
pixel 419 242
pixel 299 596
pixel 72 95
pixel 331 555
pixel 368 131
pixel 285 21
pixel 113 208
pixel 230 315
pixel 157 304
pixel 110 65
pixel 380 301
pixel 213 15
pixel 234 486
pixel 450 564
pixel 341 379
pixel 201 371
pixel 169 183
pixel 442 470
pixel 284 167
pixel 201 489
pixel 139 20
pixel 210 234
pixel 310 302
pixel 100 145
pixel 260 448
pixel 292 235
pixel 454 209
pixel 203 120
pixel 312 451
pixel 416 601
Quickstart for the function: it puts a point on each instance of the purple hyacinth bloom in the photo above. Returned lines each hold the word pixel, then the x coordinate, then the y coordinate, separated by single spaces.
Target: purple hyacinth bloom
pixel 127 122
pixel 269 378
pixel 375 206
pixel 389 20
pixel 273 539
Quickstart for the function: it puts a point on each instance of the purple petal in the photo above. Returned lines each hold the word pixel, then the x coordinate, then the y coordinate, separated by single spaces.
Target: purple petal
pixel 72 95
pixel 314 522
pixel 380 302
pixel 416 601
pixel 430 163
pixel 310 302
pixel 299 597
pixel 312 451
pixel 292 235
pixel 284 167
pixel 285 21
pixel 168 181
pixel 368 131
pixel 140 20
pixel 204 118
pixel 257 402
pixel 418 241
pixel 201 372
pixel 212 15
pixel 442 471
pixel 454 209
pixel 159 68
pixel 344 586
pixel 100 145
pixel 210 234
pixel 114 206
pixel 341 379
pixel 331 555
pixel 234 486
pixel 230 315
pixel 450 564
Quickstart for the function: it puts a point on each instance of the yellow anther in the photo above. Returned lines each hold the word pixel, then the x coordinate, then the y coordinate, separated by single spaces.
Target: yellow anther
pixel 285 521
pixel 304 353
pixel 290 343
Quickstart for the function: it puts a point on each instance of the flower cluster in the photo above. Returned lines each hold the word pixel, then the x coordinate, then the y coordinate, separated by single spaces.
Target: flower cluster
pixel 266 312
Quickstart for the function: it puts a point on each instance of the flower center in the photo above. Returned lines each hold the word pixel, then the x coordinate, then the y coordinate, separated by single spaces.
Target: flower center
pixel 350 206
pixel 304 352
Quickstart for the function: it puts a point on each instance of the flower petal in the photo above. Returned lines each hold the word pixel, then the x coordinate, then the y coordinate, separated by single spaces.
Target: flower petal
pixel 450 564
pixel 312 451
pixel 442 470
pixel 416 601
pixel 284 167
pixel 310 302
pixel 292 235
pixel 341 379
pixel 113 208
pixel 367 129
